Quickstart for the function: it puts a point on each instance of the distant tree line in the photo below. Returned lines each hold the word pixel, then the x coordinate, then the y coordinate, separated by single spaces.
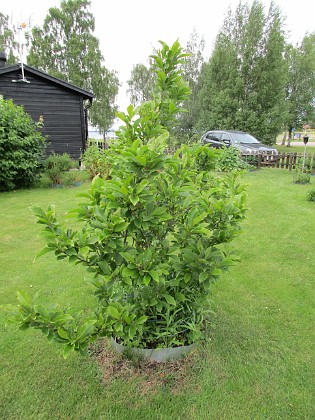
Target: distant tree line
pixel 253 81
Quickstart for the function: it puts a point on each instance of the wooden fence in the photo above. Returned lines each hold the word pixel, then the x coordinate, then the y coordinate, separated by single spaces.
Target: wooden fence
pixel 285 160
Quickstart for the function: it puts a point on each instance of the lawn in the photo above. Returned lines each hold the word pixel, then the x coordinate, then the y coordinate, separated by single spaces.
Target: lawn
pixel 257 363
pixel 293 148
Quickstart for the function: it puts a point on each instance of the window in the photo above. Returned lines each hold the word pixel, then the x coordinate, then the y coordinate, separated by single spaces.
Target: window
pixel 214 136
pixel 226 138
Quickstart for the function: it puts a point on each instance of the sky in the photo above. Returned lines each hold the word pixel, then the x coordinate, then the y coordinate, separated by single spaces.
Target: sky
pixel 129 30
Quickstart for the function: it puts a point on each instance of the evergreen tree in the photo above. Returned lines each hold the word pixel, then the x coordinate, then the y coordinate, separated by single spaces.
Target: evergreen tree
pixel 65 47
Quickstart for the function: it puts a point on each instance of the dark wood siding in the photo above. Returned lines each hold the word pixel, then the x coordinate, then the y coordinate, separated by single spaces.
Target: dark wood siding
pixel 61 109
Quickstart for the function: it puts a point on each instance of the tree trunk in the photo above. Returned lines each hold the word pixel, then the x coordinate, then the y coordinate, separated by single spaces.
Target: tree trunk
pixel 284 138
pixel 289 137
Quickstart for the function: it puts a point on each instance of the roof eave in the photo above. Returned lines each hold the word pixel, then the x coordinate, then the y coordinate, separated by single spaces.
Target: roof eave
pixel 85 93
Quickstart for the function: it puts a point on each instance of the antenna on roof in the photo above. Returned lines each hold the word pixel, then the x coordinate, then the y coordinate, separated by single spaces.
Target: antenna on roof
pixel 21 26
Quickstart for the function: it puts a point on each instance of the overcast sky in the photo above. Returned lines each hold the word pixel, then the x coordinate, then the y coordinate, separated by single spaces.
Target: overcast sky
pixel 128 30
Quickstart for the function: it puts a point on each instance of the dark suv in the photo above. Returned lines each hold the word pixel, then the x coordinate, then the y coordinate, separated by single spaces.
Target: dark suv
pixel 244 142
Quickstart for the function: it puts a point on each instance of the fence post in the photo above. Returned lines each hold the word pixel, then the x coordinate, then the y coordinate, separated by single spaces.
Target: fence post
pixel 290 162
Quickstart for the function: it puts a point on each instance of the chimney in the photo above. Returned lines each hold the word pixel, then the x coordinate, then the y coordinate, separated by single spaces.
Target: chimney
pixel 3 59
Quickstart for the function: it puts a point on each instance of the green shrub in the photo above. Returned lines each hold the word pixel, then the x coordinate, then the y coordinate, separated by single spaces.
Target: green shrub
pixel 21 147
pixel 251 160
pixel 311 195
pixel 61 162
pixel 308 166
pixel 56 166
pixel 301 178
pixel 154 237
pixel 74 178
pixel 95 162
pixel 230 160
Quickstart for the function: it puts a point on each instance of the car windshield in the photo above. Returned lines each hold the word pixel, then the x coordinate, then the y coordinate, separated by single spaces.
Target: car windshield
pixel 243 138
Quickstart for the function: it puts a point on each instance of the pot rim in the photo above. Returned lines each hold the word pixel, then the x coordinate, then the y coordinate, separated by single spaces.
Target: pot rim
pixel 155 355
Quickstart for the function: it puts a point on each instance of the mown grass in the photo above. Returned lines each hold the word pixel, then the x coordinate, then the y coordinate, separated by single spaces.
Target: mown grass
pixel 257 362
pixel 293 148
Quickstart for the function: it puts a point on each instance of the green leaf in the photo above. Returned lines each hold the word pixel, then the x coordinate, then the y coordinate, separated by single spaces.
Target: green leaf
pixel 105 267
pixel 43 252
pixel 113 312
pixel 24 298
pixel 68 349
pixel 169 299
pixel 134 199
pixel 202 277
pixel 187 277
pixel 180 296
pixel 73 258
pixel 121 226
pixel 146 279
pixel 216 272
pixel 129 272
pixel 154 275
pixel 84 251
pixel 86 329
pixel 63 318
pixel 63 333
pixel 127 280
pixel 141 320
pixel 118 326
pixel 128 256
pixel 132 331
pixel 126 318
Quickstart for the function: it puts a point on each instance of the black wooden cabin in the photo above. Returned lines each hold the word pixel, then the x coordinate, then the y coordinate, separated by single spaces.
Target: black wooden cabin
pixel 63 106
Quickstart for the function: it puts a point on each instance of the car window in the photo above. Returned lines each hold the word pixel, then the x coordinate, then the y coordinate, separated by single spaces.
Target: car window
pixel 225 137
pixel 214 136
pixel 243 138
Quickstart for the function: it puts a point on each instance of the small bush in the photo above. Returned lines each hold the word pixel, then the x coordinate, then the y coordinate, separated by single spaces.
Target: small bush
pixel 309 165
pixel 55 166
pixel 230 160
pixel 251 160
pixel 301 178
pixel 62 162
pixel 74 178
pixel 311 195
pixel 96 163
pixel 21 147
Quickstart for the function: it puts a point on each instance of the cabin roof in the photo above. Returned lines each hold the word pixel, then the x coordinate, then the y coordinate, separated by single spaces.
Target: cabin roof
pixel 7 69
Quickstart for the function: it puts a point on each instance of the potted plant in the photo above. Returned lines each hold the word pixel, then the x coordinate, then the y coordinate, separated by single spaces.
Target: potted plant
pixel 155 234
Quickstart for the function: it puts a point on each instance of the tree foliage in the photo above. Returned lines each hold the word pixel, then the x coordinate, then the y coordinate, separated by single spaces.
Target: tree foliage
pixel 141 83
pixel 300 91
pixel 65 47
pixel 242 85
pixel 21 147
pixel 184 130
pixel 8 42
